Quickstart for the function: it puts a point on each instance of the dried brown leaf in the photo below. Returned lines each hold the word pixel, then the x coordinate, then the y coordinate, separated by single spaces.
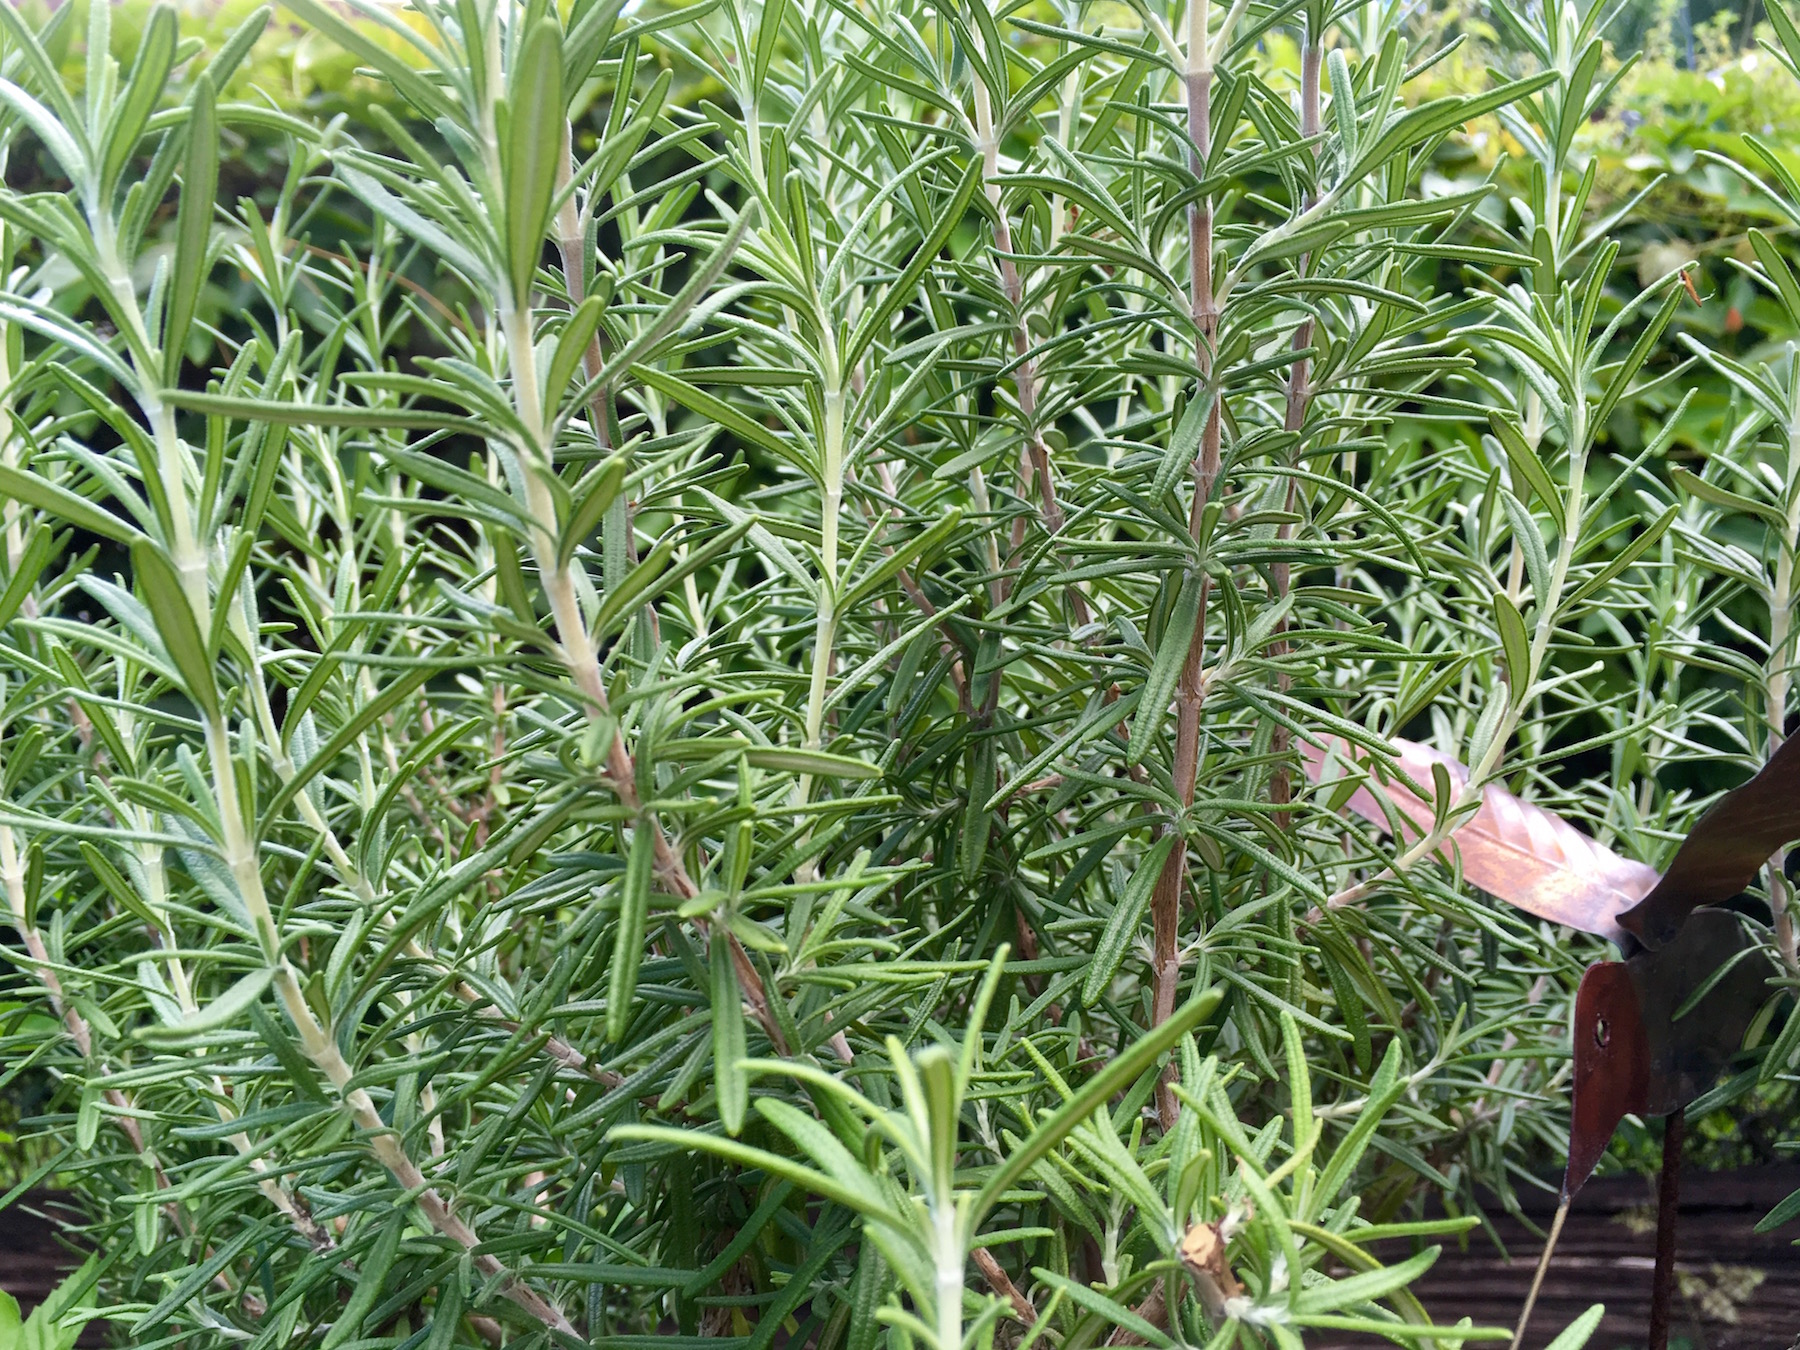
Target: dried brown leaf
pixel 1203 1253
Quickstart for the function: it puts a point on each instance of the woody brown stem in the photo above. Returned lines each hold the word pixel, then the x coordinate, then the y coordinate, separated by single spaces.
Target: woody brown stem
pixel 916 593
pixel 1190 694
pixel 1001 1283
pixel 1154 1310
pixel 1034 462
pixel 621 776
pixel 583 662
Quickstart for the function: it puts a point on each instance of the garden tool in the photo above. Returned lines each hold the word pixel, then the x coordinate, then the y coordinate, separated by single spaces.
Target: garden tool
pixel 1652 1031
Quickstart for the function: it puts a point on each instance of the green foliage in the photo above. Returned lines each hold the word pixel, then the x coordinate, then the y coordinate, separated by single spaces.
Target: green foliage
pixel 657 693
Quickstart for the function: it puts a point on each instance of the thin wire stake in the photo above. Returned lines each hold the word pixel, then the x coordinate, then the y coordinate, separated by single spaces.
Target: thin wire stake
pixel 1537 1280
pixel 1668 1208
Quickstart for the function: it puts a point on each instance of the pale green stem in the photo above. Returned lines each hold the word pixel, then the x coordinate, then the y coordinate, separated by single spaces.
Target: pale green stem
pixel 978 494
pixel 266 1180
pixel 189 557
pixel 490 101
pixel 950 1260
pixel 825 630
pixel 1484 768
pixel 561 588
pixel 558 581
pixel 9 456
pixel 172 461
pixel 825 626
pixel 753 143
pixel 321 1047
pixel 1777 678
pixel 1553 208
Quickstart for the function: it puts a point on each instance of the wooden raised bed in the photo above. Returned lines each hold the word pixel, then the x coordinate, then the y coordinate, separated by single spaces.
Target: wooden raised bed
pixel 32 1260
pixel 1742 1288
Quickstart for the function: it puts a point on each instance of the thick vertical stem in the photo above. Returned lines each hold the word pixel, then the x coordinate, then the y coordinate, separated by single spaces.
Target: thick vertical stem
pixel 580 656
pixel 570 241
pixel 1668 1206
pixel 832 505
pixel 172 460
pixel 1165 900
pixel 825 626
pixel 13 520
pixel 950 1259
pixel 188 553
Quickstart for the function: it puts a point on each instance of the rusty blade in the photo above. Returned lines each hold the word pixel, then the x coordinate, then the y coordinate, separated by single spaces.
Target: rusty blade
pixel 1612 1066
pixel 1521 853
pixel 1634 1055
pixel 1723 851
pixel 1688 1053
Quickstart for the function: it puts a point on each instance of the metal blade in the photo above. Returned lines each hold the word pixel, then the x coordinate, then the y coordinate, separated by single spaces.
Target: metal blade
pixel 1612 1066
pixel 1722 853
pixel 1687 1054
pixel 1634 1055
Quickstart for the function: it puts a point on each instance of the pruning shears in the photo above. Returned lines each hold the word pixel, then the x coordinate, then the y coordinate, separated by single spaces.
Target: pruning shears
pixel 1654 1030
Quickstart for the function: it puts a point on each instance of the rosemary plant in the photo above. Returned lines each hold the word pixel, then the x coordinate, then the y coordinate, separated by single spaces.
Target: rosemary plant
pixel 659 695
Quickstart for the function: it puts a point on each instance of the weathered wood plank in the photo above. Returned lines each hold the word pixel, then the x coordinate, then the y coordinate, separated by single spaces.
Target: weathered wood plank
pixel 1740 1289
pixel 34 1258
